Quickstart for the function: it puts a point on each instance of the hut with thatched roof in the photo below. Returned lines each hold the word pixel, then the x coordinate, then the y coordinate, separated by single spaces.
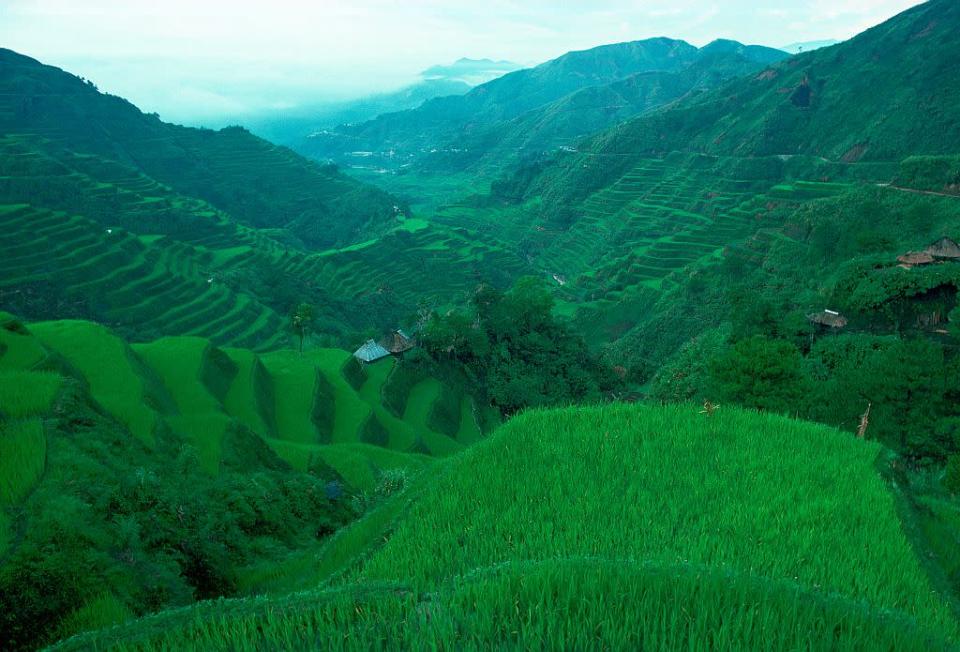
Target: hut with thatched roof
pixel 915 259
pixel 830 319
pixel 944 249
pixel 397 343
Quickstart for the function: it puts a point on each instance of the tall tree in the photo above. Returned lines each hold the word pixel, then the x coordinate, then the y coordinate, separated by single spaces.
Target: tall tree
pixel 761 373
pixel 301 321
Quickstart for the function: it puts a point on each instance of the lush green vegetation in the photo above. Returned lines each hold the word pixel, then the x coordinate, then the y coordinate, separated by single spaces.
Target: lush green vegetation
pixel 181 419
pixel 511 545
pixel 515 348
pixel 892 355
pixel 532 113
pixel 136 478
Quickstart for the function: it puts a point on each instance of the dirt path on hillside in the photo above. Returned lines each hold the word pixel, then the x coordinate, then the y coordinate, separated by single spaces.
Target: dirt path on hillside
pixel 919 192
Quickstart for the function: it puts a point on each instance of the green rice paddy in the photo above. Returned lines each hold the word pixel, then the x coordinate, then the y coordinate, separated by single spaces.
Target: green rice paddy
pixel 23 447
pixel 111 369
pixel 302 405
pixel 27 393
pixel 761 533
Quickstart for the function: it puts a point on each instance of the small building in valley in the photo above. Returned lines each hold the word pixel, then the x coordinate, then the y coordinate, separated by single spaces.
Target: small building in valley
pixel 944 249
pixel 397 343
pixel 915 259
pixel 828 319
pixel 371 352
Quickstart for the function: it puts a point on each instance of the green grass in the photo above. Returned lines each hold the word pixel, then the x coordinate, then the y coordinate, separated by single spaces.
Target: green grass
pixel 179 362
pixel 18 350
pixel 469 428
pixel 206 433
pixel 361 464
pixel 295 383
pixel 566 530
pixel 244 398
pixel 107 364
pixel 27 393
pixel 23 454
pixel 754 494
pixel 6 534
pixel 102 611
pixel 574 604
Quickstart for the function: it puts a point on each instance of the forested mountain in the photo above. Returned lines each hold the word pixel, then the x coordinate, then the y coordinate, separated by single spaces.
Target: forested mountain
pixel 882 96
pixel 441 120
pixel 290 126
pixel 561 124
pixel 257 183
pixel 708 238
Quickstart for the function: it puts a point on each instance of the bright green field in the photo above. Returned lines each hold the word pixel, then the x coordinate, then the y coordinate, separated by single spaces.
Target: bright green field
pixel 566 530
pixel 23 449
pixel 301 405
pixel 25 393
pixel 109 366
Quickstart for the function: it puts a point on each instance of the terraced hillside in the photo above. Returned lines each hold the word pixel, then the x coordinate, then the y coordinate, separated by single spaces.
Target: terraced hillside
pixel 776 534
pixel 302 405
pixel 257 183
pixel 108 224
pixel 127 445
pixel 614 254
pixel 89 237
pixel 819 104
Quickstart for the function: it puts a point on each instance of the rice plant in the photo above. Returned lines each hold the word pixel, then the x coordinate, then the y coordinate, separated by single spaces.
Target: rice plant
pixel 760 494
pixel 23 451
pixel 106 362
pixel 571 604
pixel 616 528
pixel 27 393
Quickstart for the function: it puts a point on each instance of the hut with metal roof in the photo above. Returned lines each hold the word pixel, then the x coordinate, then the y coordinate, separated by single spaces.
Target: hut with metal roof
pixel 944 249
pixel 371 352
pixel 828 319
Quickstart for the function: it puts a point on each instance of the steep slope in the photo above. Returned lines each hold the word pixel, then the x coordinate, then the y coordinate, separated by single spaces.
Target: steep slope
pixel 882 96
pixel 174 470
pixel 439 121
pixel 638 221
pixel 290 126
pixel 113 216
pixel 566 529
pixel 257 183
pixel 563 123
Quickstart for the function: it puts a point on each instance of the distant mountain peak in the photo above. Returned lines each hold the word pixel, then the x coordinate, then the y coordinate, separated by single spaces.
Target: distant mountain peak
pixel 470 71
pixel 808 46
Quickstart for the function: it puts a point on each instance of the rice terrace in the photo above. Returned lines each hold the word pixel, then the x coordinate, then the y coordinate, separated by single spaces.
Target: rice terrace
pixel 445 326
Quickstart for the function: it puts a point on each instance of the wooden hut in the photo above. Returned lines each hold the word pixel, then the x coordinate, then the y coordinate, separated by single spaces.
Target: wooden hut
pixel 915 259
pixel 828 319
pixel 944 249
pixel 397 342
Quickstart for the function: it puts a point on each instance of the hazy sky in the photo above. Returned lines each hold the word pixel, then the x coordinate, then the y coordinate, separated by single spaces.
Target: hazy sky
pixel 196 61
